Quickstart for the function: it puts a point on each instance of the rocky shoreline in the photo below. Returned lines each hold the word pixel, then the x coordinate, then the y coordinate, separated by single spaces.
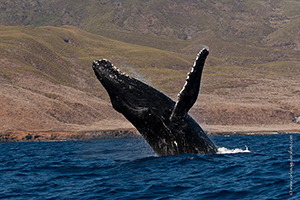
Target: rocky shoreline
pixel 40 136
pixel 253 133
pixel 43 136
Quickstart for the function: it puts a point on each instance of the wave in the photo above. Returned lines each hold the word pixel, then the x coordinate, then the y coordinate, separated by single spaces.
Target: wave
pixel 224 150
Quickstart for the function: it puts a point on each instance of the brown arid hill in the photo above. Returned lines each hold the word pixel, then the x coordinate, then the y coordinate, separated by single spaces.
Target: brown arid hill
pixel 48 86
pixel 272 23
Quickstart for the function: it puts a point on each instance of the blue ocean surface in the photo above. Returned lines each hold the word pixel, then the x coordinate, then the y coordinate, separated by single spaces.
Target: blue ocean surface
pixel 128 169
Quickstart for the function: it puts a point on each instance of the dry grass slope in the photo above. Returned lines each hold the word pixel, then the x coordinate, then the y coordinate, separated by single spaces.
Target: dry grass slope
pixel 251 77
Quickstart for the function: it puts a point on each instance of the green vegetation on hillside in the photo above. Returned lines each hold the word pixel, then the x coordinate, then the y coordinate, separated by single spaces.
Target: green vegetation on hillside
pixel 65 54
pixel 156 40
pixel 135 21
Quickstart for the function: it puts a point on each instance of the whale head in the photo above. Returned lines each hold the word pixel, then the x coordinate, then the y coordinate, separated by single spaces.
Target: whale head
pixel 129 95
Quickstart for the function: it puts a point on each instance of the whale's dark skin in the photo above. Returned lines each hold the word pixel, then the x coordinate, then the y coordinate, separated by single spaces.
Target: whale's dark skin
pixel 164 124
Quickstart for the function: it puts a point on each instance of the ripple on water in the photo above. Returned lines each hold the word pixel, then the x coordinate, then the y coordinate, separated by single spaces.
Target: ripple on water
pixel 128 169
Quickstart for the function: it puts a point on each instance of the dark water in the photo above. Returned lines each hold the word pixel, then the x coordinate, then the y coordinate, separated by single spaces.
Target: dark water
pixel 128 169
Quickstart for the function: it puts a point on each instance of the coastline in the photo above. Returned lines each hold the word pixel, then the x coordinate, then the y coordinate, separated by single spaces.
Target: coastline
pixel 256 129
pixel 215 134
pixel 131 133
pixel 43 136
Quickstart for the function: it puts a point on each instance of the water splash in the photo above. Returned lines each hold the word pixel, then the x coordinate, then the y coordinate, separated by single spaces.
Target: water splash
pixel 224 150
pixel 128 69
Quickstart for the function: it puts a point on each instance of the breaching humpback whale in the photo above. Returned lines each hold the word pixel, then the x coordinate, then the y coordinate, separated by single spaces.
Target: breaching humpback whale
pixel 164 124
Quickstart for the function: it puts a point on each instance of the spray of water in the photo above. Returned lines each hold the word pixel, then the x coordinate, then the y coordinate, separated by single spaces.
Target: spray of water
pixel 205 46
pixel 223 150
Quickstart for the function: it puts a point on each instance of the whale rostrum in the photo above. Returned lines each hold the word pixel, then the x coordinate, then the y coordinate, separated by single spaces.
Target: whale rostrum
pixel 164 124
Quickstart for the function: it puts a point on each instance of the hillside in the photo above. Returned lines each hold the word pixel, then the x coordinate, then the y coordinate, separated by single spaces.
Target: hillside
pixel 250 81
pixel 271 23
pixel 48 82
pixel 254 34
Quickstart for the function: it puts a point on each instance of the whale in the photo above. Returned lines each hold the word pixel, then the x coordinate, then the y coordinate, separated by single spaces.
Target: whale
pixel 163 123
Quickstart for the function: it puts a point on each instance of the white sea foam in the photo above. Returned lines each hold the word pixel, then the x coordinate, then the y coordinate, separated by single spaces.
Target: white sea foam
pixel 224 150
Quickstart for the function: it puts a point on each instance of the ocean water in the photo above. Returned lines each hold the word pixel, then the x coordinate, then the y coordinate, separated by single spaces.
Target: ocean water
pixel 247 167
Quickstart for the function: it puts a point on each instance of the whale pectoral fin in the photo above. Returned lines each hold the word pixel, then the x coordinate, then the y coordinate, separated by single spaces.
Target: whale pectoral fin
pixel 189 93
